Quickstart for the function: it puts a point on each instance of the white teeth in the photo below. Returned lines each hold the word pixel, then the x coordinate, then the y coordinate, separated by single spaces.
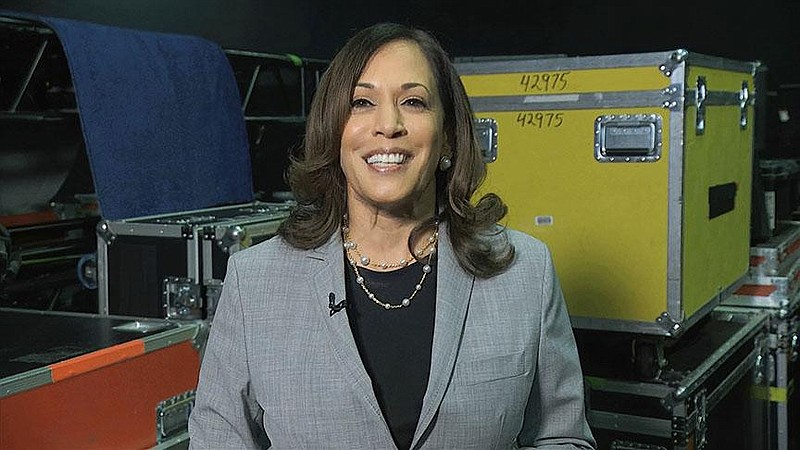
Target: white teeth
pixel 386 158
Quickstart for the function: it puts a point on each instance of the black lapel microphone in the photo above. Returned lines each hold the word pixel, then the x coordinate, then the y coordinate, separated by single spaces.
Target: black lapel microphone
pixel 333 306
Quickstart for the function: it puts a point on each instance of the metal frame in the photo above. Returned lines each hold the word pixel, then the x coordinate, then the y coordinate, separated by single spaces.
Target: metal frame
pixel 200 238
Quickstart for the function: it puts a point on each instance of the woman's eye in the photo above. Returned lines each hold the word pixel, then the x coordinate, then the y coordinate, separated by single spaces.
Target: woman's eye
pixel 360 103
pixel 416 103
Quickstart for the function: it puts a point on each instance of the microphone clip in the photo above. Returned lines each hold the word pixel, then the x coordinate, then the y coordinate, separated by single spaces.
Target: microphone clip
pixel 333 306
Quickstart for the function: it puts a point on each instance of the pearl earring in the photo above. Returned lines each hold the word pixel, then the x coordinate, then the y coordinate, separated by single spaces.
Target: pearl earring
pixel 444 163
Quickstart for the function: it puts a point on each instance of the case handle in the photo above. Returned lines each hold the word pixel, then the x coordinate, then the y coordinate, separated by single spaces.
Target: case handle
pixel 628 138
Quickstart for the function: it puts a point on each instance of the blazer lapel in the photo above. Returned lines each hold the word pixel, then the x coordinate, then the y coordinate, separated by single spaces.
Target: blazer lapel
pixel 327 277
pixel 453 293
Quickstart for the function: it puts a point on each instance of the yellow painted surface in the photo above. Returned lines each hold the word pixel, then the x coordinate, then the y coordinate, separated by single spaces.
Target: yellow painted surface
pixel 566 82
pixel 607 223
pixel 608 234
pixel 715 251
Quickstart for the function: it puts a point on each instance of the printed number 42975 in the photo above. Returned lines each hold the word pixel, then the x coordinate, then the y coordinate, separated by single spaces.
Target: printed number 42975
pixel 544 82
pixel 540 119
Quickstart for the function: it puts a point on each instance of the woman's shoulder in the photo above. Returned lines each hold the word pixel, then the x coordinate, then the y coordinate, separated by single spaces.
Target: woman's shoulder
pixel 274 248
pixel 527 248
pixel 521 241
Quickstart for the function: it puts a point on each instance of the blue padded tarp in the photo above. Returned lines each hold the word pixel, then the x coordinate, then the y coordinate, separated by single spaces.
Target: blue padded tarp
pixel 161 118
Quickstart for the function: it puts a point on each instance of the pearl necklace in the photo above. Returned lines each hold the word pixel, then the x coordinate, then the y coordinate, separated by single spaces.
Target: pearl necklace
pixel 351 246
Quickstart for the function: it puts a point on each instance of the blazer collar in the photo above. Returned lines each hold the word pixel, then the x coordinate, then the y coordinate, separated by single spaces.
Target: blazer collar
pixel 453 293
pixel 327 279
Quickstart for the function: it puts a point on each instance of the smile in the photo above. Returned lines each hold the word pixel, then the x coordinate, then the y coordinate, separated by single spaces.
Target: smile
pixel 387 158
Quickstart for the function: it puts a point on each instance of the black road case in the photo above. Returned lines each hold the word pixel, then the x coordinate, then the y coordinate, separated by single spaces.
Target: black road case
pixel 706 392
pixel 173 265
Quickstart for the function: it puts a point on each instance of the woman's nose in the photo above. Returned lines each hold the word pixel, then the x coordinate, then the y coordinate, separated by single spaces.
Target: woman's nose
pixel 389 121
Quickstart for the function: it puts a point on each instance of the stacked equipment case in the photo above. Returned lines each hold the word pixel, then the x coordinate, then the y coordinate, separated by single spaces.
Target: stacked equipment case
pixel 76 380
pixel 706 395
pixel 173 265
pixel 635 169
pixel 772 286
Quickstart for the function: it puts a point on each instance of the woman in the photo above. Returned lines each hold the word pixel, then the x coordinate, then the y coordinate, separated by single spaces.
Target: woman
pixel 391 312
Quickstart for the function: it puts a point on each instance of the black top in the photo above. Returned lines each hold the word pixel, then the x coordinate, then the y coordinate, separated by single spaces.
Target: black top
pixel 395 345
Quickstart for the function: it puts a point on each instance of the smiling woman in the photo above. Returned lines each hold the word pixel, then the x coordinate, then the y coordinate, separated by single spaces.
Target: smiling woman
pixel 453 332
pixel 391 145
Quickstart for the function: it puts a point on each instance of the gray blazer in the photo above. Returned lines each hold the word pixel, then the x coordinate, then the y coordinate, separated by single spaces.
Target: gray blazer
pixel 504 368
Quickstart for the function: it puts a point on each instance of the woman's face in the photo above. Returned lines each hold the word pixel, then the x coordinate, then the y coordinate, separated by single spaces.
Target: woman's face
pixel 393 138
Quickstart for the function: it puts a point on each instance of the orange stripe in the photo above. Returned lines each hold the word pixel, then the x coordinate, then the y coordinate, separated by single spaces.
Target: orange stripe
pixel 95 360
pixel 32 218
pixel 759 290
pixel 792 247
pixel 757 260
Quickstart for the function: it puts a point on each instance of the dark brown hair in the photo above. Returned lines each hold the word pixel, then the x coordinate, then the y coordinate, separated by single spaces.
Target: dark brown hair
pixel 318 183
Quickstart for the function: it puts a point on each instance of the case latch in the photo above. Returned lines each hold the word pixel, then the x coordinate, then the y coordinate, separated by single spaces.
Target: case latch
pixel 172 416
pixel 701 94
pixel 744 98
pixel 486 133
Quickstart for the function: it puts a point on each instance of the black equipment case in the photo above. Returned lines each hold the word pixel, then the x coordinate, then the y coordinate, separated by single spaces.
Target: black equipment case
pixel 173 265
pixel 706 393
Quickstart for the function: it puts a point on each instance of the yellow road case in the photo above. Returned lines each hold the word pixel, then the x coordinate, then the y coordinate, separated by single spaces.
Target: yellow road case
pixel 635 169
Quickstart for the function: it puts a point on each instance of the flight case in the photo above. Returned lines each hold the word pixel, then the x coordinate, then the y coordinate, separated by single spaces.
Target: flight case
pixel 773 287
pixel 704 395
pixel 85 381
pixel 173 265
pixel 635 169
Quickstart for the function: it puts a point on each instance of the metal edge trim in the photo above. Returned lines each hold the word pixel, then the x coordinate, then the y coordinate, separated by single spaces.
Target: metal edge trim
pixel 720 355
pixel 121 228
pixel 186 331
pixel 102 276
pixel 675 203
pixel 721 390
pixel 25 381
pixel 630 423
pixel 630 99
pixel 629 387
pixel 561 63
pixel 628 326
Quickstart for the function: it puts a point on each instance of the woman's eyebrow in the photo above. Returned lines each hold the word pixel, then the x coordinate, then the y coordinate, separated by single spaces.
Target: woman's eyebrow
pixel 404 86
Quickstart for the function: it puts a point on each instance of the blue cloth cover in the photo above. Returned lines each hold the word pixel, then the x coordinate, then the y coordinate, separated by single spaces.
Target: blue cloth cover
pixel 161 118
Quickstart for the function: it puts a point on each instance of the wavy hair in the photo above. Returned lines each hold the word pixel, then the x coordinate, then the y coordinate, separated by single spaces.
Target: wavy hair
pixel 319 186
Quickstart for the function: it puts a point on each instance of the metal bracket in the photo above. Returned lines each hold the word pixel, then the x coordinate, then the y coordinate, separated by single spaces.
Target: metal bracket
pixel 701 94
pixel 701 422
pixel 666 322
pixel 105 233
pixel 673 94
pixel 680 431
pixel 675 58
pixel 231 241
pixel 182 298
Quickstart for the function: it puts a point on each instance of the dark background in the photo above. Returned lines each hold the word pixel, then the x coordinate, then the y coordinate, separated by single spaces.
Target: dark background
pixel 767 31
